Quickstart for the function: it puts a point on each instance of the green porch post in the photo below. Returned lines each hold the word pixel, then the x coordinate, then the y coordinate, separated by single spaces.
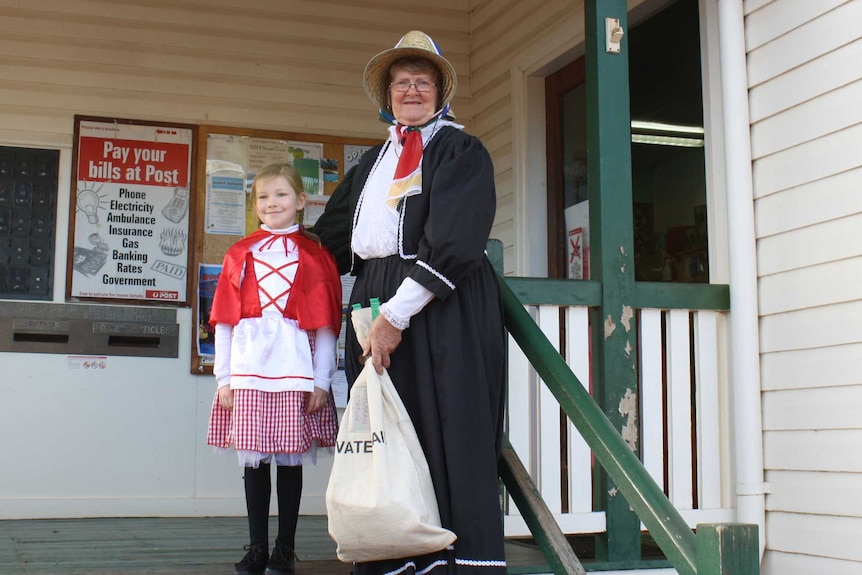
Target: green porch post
pixel 611 262
pixel 728 549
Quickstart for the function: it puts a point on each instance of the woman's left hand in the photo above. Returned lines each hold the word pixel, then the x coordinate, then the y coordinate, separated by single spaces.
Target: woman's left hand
pixel 316 400
pixel 383 338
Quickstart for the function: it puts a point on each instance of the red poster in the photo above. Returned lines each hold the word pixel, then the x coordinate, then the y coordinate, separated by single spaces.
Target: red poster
pixel 130 224
pixel 133 162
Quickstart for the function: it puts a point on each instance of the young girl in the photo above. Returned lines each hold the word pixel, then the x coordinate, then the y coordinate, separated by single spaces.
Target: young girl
pixel 277 314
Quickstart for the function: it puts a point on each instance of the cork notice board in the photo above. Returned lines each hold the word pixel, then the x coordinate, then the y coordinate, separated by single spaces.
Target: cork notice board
pixel 226 163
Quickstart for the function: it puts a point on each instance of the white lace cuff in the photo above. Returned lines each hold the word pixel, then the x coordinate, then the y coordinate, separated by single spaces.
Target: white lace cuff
pixel 401 323
pixel 410 298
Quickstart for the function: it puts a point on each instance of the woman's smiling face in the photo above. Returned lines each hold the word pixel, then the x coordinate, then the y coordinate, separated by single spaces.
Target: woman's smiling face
pixel 413 107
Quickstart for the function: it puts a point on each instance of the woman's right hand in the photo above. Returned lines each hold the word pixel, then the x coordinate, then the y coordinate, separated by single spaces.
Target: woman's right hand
pixel 225 397
pixel 383 338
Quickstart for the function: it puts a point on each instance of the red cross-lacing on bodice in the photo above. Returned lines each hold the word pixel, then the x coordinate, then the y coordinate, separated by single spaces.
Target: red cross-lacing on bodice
pixel 267 299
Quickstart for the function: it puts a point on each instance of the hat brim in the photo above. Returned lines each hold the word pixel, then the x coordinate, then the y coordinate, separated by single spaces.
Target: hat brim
pixel 376 77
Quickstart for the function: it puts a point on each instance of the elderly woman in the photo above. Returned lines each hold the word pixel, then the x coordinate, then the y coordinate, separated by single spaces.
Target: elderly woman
pixel 411 221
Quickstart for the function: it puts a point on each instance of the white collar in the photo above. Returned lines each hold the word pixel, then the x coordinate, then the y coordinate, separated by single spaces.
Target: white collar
pixel 289 230
pixel 428 131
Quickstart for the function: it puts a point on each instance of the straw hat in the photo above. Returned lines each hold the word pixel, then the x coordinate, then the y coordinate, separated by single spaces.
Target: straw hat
pixel 413 44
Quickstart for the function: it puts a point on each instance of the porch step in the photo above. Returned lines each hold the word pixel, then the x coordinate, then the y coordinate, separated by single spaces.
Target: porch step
pixel 187 545
pixel 162 546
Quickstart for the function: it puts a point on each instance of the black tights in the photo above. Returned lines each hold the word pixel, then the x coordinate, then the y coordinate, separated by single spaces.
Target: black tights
pixel 258 487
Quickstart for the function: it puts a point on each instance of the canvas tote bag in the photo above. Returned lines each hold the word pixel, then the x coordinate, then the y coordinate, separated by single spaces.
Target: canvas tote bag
pixel 380 500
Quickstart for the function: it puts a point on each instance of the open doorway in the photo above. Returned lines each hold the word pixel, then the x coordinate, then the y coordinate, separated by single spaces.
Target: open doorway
pixel 668 162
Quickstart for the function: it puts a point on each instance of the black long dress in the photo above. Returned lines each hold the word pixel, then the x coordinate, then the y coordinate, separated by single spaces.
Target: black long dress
pixel 450 366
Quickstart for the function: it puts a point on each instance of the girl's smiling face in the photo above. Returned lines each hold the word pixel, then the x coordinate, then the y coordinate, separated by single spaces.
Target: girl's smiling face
pixel 277 203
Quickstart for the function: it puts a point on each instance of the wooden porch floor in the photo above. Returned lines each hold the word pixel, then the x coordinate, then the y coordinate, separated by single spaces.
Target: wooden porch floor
pixel 162 546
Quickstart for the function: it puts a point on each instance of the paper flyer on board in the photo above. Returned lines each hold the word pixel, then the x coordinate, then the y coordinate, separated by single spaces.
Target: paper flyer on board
pixel 208 275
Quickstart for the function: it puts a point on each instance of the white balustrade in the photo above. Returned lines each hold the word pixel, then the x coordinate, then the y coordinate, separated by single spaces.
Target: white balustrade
pixel 679 410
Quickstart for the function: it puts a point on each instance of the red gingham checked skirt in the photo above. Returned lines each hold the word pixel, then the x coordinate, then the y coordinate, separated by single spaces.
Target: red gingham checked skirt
pixel 271 422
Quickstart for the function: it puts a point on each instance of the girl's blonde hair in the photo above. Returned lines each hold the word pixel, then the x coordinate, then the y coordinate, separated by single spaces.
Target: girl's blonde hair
pixel 280 169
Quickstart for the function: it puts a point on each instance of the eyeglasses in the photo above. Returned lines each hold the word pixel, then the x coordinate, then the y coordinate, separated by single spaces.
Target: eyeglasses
pixel 420 85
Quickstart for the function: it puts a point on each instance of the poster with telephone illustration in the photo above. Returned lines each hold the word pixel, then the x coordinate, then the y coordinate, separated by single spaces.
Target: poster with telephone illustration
pixel 129 219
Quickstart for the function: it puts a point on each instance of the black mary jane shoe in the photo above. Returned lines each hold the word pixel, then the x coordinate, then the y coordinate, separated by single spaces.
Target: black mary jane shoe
pixel 254 561
pixel 282 560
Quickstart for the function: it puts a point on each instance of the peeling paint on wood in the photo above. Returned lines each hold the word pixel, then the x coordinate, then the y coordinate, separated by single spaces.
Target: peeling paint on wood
pixel 626 318
pixel 610 326
pixel 629 411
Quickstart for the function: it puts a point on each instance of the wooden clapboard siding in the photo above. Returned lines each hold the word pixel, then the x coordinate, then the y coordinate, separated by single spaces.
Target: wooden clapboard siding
pixel 807 121
pixel 811 328
pixel 293 66
pixel 833 537
pixel 492 24
pixel 807 162
pixel 778 18
pixel 750 6
pixel 821 408
pixel 835 450
pixel 811 492
pixel 816 285
pixel 797 42
pixel 807 81
pixel 796 564
pixel 835 240
pixel 804 87
pixel 812 367
pixel 826 199
pixel 26 123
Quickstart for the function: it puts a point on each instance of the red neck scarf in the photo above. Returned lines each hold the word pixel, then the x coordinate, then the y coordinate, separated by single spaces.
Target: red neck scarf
pixel 408 173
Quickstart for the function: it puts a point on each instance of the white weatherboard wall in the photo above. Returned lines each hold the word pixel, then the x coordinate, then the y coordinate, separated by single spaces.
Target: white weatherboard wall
pixel 130 440
pixel 805 86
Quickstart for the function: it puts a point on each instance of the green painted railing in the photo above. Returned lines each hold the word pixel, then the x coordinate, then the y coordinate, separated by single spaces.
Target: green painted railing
pixel 656 295
pixel 716 548
pixel 649 502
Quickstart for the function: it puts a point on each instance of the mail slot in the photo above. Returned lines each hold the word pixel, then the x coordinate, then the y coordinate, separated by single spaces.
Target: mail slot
pixel 88 329
pixel 41 331
pixel 41 337
pixel 132 341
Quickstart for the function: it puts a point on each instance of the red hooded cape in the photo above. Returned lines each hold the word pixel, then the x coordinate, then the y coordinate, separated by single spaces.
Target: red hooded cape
pixel 315 298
